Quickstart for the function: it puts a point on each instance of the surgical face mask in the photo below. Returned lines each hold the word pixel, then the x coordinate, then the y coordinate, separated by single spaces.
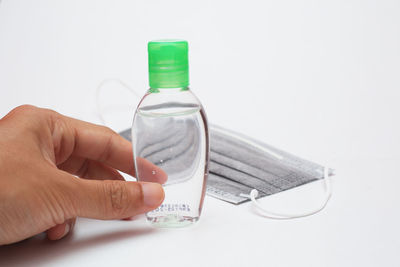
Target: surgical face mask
pixel 240 164
pixel 242 168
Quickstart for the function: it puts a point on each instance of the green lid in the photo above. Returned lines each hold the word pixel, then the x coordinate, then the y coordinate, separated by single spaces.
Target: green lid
pixel 168 63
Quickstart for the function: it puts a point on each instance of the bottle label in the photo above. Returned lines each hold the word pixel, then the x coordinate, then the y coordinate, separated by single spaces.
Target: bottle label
pixel 168 208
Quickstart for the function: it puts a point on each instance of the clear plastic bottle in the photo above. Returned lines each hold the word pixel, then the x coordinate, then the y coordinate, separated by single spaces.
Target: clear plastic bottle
pixel 170 136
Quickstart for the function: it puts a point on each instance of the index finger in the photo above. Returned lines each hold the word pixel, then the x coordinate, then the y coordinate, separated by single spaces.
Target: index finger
pixel 102 144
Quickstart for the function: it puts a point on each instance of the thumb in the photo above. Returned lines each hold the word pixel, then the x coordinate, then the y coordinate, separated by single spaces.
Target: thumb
pixel 113 199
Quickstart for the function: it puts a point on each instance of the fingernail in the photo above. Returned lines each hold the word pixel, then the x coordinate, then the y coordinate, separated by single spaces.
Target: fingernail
pixel 153 194
pixel 66 229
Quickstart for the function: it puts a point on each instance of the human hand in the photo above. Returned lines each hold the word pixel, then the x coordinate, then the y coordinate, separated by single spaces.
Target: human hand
pixel 42 152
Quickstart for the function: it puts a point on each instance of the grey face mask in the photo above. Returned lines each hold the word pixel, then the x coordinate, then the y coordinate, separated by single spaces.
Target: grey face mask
pixel 239 164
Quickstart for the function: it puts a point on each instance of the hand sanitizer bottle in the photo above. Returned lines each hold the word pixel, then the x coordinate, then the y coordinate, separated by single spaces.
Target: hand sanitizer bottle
pixel 170 131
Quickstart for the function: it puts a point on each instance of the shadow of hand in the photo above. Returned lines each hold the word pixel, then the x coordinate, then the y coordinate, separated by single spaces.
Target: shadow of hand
pixel 38 249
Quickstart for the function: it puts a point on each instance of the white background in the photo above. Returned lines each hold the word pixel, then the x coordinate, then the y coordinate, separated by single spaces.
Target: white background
pixel 320 79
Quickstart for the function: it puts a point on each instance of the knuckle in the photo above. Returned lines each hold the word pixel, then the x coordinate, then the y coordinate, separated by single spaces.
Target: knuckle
pixel 63 136
pixel 50 113
pixel 33 113
pixel 108 146
pixel 51 117
pixel 118 197
pixel 25 116
pixel 113 134
pixel 106 129
pixel 23 109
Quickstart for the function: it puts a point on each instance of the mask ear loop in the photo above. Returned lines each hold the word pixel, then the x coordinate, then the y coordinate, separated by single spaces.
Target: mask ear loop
pixel 282 216
pixel 100 87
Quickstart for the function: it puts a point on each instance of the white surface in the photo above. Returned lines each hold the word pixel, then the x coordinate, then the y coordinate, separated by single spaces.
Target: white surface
pixel 316 78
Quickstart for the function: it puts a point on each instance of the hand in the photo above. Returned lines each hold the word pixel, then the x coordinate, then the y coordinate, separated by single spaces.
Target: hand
pixel 42 154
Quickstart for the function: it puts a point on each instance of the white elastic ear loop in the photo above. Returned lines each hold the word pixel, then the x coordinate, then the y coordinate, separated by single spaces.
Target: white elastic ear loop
pixel 100 87
pixel 282 216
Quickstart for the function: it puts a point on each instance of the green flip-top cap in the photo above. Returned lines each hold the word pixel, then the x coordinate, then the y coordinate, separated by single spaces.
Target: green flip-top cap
pixel 168 64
